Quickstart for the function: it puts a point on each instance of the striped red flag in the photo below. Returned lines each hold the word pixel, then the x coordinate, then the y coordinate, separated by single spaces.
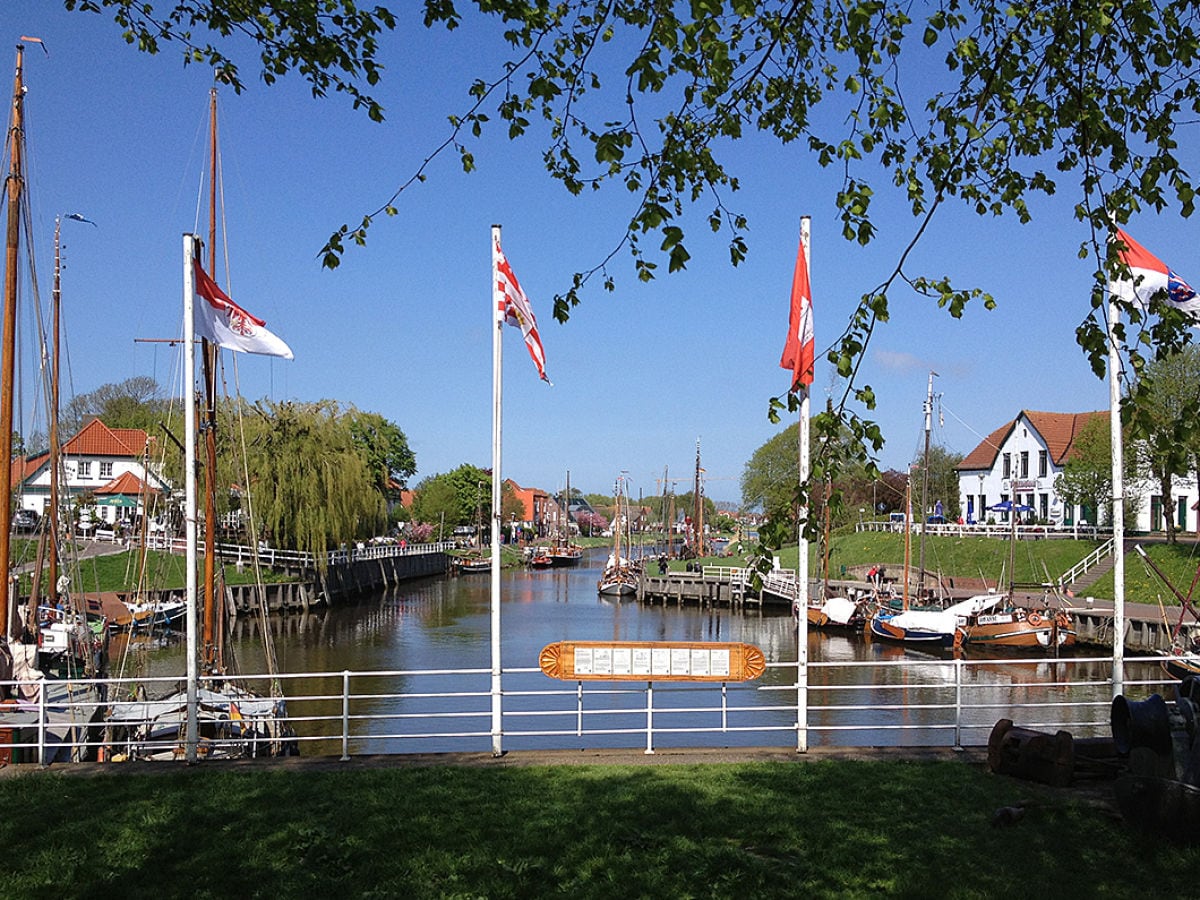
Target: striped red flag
pixel 517 311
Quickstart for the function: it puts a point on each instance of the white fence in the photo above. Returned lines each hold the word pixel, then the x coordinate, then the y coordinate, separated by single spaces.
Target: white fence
pixel 277 558
pixel 933 702
pixel 996 530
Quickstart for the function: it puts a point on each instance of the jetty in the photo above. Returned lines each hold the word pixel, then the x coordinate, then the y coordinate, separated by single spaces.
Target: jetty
pixel 1148 627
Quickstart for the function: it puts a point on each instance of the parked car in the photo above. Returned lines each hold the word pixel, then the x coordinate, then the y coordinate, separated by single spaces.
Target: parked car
pixel 25 520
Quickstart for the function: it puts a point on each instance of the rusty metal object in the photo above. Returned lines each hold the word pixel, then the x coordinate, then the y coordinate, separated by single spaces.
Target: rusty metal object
pixel 1032 755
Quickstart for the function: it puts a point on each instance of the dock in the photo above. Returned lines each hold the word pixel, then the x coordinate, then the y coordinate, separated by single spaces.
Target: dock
pixel 1148 627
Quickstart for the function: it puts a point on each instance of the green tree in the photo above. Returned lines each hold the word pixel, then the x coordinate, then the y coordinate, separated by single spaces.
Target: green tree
pixel 459 497
pixel 136 402
pixel 386 447
pixel 942 484
pixel 1086 477
pixel 986 104
pixel 435 502
pixel 311 483
pixel 1164 416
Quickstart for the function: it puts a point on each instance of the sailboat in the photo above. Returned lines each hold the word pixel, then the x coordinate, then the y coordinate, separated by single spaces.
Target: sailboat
pixel 48 657
pixel 563 552
pixel 620 576
pixel 924 626
pixel 1012 626
pixel 215 715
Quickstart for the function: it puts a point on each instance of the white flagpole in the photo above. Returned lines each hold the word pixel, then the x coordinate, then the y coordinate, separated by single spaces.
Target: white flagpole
pixel 497 383
pixel 192 740
pixel 1118 511
pixel 802 563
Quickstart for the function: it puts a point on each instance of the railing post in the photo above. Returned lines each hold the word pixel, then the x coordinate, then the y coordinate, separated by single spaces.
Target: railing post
pixel 649 717
pixel 345 715
pixel 958 677
pixel 42 725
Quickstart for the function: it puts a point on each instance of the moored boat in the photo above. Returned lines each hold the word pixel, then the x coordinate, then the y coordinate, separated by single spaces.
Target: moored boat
pixel 1020 628
pixel 934 627
pixel 621 576
pixel 215 714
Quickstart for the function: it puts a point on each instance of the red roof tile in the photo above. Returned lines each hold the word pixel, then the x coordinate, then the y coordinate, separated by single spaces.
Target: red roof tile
pixel 125 483
pixel 1057 430
pixel 97 439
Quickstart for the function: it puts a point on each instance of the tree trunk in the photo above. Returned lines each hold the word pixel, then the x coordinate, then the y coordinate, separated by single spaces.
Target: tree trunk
pixel 1168 511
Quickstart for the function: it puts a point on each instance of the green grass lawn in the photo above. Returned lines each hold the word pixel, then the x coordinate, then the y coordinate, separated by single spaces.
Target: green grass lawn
pixel 775 829
pixel 119 572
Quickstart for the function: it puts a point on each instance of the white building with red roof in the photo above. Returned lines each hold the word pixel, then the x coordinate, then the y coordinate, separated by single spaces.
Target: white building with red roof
pixel 111 471
pixel 1023 457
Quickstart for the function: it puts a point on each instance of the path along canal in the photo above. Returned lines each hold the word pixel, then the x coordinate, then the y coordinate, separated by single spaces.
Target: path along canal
pixel 420 658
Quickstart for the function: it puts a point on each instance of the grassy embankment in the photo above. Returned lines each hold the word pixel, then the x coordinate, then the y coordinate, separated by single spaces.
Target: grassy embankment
pixel 822 828
pixel 119 571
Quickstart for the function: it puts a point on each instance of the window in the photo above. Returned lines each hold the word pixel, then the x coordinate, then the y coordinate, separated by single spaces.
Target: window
pixel 1024 463
pixel 85 469
pixel 1007 465
pixel 106 470
pixel 1043 463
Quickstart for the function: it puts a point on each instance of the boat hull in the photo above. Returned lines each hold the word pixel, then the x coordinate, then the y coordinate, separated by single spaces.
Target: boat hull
pixel 1179 665
pixel 881 627
pixel 1018 630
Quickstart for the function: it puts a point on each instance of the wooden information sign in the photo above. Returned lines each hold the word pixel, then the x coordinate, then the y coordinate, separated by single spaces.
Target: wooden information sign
pixel 651 661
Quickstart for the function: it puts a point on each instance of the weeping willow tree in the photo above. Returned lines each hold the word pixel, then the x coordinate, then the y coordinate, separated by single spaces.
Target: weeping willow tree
pixel 311 484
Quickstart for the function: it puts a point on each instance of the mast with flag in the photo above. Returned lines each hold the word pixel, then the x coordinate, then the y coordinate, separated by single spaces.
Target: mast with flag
pixel 511 306
pixel 1150 278
pixel 798 357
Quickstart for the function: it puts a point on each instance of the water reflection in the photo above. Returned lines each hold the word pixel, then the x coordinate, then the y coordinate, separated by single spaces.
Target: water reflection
pixel 444 624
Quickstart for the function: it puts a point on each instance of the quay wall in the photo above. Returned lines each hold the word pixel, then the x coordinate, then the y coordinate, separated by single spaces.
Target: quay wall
pixel 342 583
pixel 346 582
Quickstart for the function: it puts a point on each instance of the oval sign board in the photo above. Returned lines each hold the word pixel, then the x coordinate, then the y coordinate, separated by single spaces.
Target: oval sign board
pixel 651 661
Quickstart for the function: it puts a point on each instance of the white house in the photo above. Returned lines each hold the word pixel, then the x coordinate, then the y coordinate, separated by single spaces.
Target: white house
pixel 1023 457
pixel 109 467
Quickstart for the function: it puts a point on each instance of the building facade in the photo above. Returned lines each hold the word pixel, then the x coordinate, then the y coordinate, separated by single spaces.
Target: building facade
pixel 105 472
pixel 1021 460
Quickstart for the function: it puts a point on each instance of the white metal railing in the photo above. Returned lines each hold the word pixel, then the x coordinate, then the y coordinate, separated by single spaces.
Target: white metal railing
pixel 996 530
pixel 781 583
pixel 274 557
pixel 927 702
pixel 731 574
pixel 1103 552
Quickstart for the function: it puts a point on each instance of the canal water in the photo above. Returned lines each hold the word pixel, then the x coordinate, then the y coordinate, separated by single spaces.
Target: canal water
pixel 882 694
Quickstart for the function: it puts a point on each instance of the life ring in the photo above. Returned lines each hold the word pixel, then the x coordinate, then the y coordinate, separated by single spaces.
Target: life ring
pixel 1035 620
pixel 1063 620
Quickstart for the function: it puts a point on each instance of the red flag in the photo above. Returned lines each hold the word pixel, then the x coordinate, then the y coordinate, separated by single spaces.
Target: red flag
pixel 799 350
pixel 513 303
pixel 226 324
pixel 1151 276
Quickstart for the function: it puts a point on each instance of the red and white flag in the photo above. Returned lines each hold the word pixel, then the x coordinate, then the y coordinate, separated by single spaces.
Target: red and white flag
pixel 799 350
pixel 227 325
pixel 512 303
pixel 1151 276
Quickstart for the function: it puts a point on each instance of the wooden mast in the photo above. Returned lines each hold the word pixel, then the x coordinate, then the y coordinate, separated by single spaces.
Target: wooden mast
pixel 209 355
pixel 16 186
pixel 698 508
pixel 52 528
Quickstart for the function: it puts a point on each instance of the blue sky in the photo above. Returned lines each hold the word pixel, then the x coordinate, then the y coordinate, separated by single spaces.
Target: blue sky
pixel 402 326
